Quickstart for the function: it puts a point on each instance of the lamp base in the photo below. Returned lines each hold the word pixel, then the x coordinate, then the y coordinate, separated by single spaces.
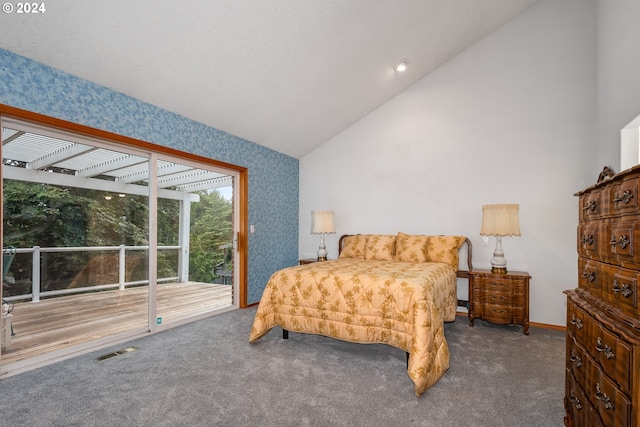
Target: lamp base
pixel 322 250
pixel 498 262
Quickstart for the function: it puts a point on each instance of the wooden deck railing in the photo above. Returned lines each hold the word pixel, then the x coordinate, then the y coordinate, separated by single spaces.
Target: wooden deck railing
pixel 37 251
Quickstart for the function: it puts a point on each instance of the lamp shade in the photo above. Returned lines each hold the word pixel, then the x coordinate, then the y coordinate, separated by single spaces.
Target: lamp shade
pixel 500 220
pixel 322 222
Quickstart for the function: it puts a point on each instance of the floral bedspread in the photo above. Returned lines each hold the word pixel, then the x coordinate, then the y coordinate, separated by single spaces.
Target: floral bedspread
pixel 402 304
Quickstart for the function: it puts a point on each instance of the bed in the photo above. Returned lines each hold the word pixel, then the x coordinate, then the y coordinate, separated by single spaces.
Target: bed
pixel 393 289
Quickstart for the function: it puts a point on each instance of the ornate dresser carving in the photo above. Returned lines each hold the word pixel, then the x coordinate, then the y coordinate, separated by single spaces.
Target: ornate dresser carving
pixel 603 320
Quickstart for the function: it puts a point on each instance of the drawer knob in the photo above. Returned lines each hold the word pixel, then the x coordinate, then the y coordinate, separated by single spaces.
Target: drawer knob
pixel 602 397
pixel 576 402
pixel 494 297
pixel 625 290
pixel 587 239
pixel 623 241
pixel 625 198
pixel 495 310
pixel 589 275
pixel 604 348
pixel 576 322
pixel 575 359
pixel 590 206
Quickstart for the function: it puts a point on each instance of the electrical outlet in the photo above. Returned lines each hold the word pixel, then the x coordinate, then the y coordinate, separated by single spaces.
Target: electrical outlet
pixel 485 241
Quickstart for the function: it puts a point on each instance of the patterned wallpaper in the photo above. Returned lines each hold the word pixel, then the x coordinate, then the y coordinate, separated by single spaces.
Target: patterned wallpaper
pixel 273 177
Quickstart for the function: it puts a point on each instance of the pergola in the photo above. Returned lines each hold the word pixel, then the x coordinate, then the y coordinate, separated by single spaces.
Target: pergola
pixel 73 161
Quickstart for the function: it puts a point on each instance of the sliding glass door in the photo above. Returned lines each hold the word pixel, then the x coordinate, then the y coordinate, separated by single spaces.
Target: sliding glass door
pixel 195 240
pixel 102 241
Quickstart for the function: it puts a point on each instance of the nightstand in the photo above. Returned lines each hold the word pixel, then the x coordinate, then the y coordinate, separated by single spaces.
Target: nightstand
pixel 501 298
pixel 307 261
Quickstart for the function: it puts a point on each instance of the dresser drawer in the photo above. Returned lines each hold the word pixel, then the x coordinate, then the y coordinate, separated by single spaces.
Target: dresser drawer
pixel 591 205
pixel 592 276
pixel 578 406
pixel 576 359
pixel 611 353
pixel 612 405
pixel 623 197
pixel 592 240
pixel 576 322
pixel 622 243
pixel 620 288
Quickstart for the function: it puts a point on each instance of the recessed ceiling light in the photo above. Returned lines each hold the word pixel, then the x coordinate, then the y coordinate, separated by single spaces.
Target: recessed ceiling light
pixel 401 66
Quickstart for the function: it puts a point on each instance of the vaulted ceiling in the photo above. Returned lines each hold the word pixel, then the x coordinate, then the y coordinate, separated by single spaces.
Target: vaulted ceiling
pixel 286 74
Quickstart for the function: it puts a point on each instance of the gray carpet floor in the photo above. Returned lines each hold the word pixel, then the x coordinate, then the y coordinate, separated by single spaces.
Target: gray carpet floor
pixel 207 374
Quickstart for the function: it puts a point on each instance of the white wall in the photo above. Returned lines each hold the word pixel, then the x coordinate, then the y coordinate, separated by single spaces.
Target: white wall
pixel 510 120
pixel 618 76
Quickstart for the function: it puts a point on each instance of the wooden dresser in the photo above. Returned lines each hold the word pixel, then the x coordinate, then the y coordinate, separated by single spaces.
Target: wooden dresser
pixel 603 320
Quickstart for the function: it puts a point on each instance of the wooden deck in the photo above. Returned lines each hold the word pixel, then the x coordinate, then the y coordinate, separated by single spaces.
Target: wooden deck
pixel 55 323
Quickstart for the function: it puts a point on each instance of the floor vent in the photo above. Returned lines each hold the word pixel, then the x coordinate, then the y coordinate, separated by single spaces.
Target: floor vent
pixel 116 353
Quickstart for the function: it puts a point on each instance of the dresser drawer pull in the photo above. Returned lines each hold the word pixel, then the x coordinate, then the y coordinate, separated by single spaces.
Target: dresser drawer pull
pixel 588 239
pixel 496 284
pixel 575 359
pixel 603 397
pixel 625 290
pixel 495 310
pixel 576 322
pixel 502 298
pixel 591 206
pixel 625 198
pixel 623 242
pixel 576 402
pixel 604 349
pixel 589 275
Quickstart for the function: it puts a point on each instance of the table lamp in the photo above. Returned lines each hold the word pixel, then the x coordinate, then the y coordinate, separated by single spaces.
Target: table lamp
pixel 499 220
pixel 321 223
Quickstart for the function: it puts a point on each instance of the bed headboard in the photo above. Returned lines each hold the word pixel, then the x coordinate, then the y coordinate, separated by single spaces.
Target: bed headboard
pixel 460 273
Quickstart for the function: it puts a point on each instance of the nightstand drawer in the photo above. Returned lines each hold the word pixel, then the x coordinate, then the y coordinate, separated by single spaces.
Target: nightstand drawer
pixel 506 299
pixel 500 284
pixel 501 298
pixel 502 314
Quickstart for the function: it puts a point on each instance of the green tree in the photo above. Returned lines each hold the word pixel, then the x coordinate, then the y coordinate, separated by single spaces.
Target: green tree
pixel 46 215
pixel 211 228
